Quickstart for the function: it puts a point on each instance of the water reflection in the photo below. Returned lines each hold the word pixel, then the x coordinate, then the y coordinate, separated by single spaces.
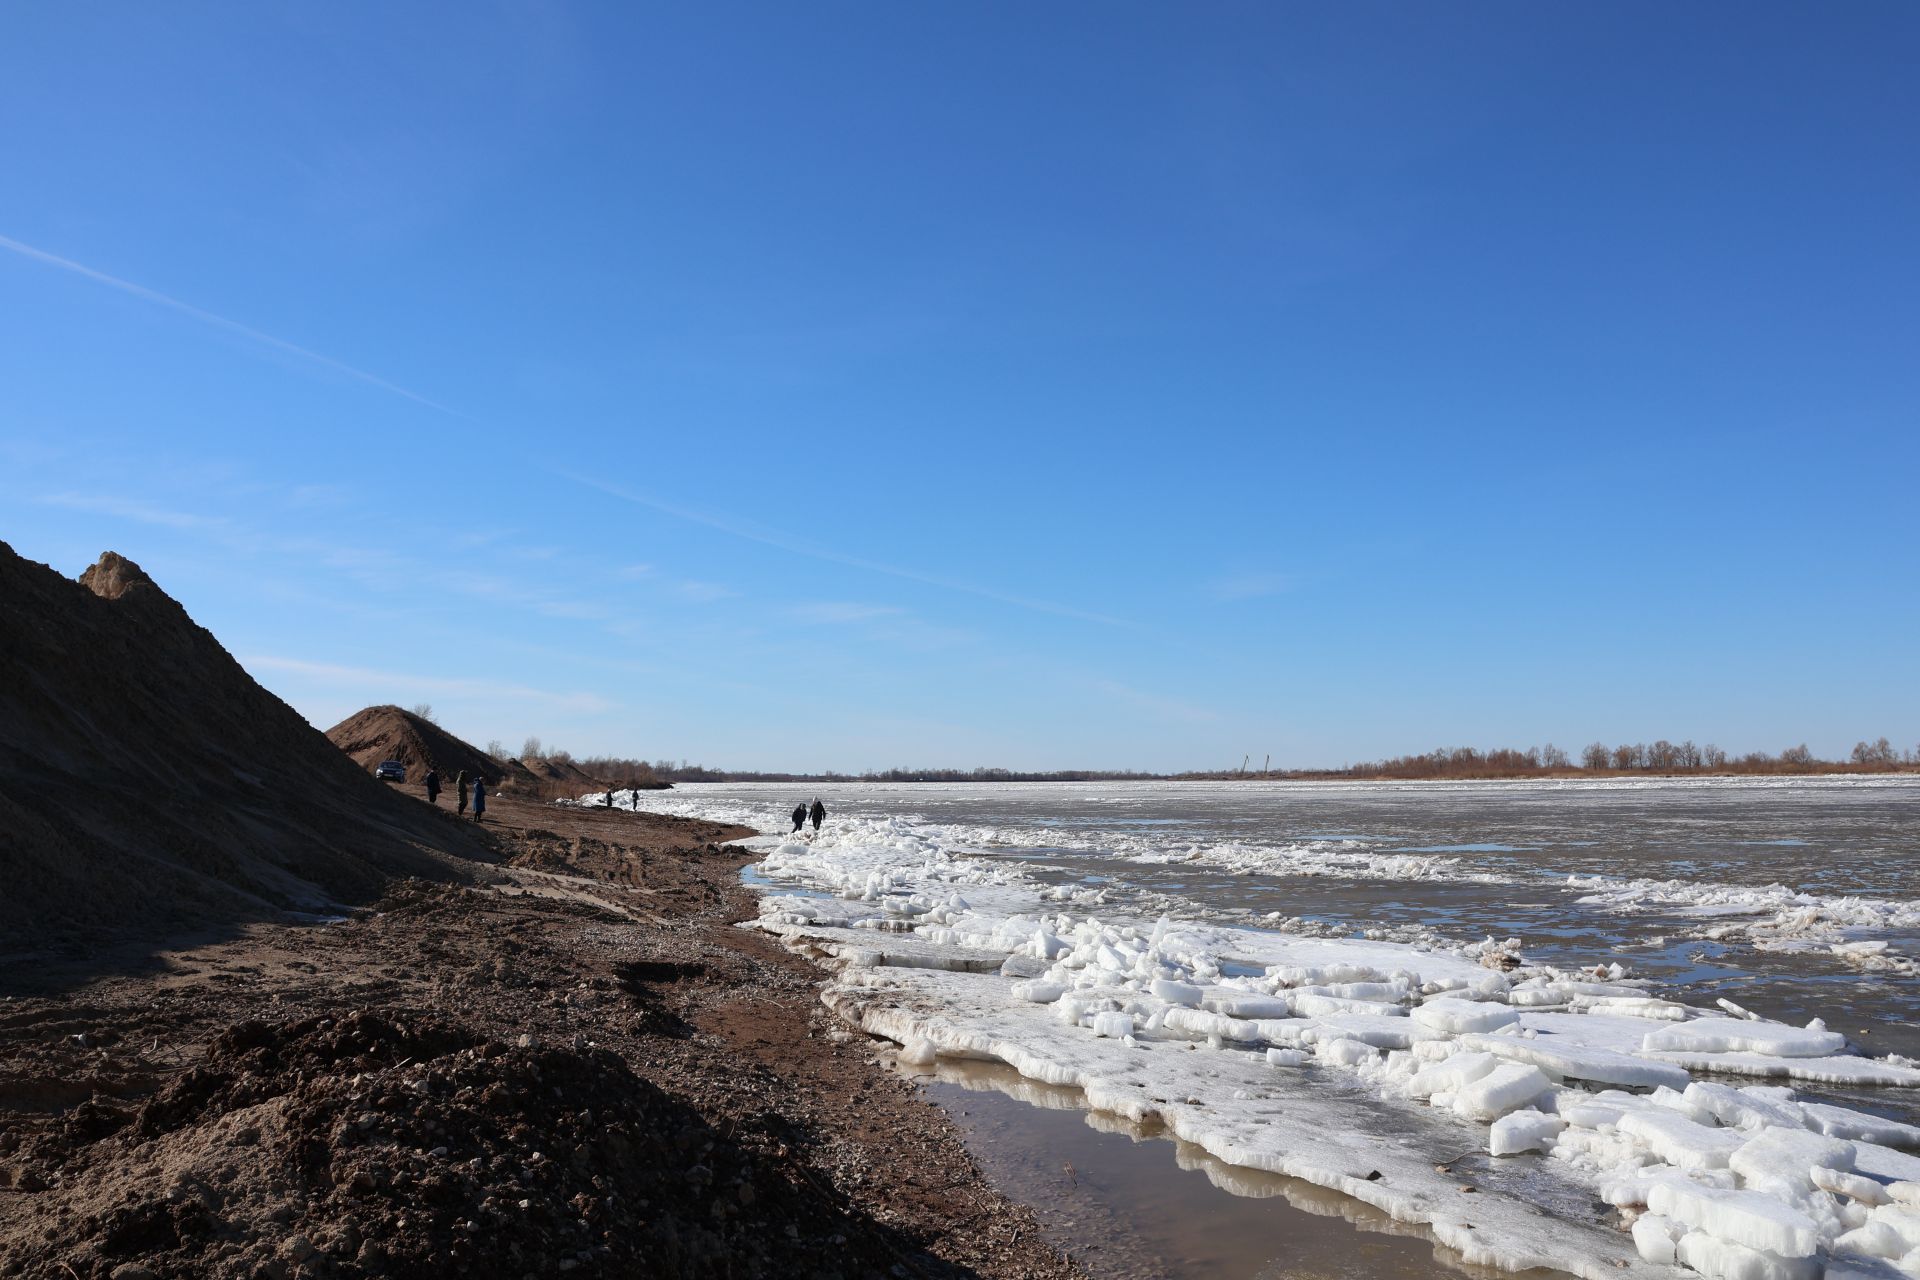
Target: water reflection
pixel 1109 1191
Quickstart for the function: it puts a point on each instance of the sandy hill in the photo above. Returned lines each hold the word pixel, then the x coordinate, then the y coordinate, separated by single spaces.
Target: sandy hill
pixel 389 733
pixel 392 733
pixel 146 780
pixel 558 771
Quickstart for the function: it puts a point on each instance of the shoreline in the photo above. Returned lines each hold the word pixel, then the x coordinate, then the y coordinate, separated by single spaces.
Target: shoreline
pixel 1316 776
pixel 224 1109
pixel 1181 1025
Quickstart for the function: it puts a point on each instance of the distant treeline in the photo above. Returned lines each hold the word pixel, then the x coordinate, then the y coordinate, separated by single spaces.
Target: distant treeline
pixel 684 772
pixel 621 772
pixel 1596 760
pixel 1662 757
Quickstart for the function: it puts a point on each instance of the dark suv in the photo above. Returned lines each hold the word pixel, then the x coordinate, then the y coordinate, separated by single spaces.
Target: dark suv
pixel 390 771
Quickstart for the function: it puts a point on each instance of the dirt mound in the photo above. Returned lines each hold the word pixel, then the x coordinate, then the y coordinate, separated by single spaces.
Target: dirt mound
pixel 396 1143
pixel 558 771
pixel 389 733
pixel 147 782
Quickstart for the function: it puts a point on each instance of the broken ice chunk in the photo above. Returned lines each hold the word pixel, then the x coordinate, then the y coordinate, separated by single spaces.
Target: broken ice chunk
pixel 1730 1035
pixel 1746 1218
pixel 1507 1087
pixel 1458 1017
pixel 1523 1131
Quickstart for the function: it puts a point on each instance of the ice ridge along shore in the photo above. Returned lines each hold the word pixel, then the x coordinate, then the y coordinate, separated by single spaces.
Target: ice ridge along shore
pixel 1371 1067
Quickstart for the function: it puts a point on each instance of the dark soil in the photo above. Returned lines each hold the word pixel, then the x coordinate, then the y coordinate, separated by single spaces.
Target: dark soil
pixel 374 734
pixel 148 784
pixel 583 1069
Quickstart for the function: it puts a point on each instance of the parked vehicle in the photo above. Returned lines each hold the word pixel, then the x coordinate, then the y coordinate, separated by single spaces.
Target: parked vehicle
pixel 390 771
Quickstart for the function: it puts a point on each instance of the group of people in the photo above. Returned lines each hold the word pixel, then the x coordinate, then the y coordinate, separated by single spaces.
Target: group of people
pixel 801 813
pixel 474 789
pixel 463 790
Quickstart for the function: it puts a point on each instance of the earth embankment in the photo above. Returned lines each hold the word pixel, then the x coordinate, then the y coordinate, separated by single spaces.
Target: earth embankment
pixel 149 784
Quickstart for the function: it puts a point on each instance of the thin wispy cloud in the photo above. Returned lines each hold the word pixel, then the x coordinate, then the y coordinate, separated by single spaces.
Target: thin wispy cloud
pixel 1168 708
pixel 1249 586
pixel 217 321
pixel 401 685
pixel 786 542
pixel 318 497
pixel 103 504
pixel 830 612
pixel 484 586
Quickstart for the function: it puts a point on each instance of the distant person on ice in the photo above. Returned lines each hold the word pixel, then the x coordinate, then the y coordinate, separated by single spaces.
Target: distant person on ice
pixel 433 786
pixel 799 815
pixel 460 790
pixel 479 797
pixel 819 813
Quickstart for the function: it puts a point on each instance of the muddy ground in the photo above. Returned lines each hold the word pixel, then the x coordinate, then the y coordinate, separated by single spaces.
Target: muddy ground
pixel 579 1067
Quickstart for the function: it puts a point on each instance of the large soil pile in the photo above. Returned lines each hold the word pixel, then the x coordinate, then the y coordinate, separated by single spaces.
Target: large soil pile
pixel 402 1143
pixel 562 776
pixel 147 782
pixel 389 733
pixel 581 1069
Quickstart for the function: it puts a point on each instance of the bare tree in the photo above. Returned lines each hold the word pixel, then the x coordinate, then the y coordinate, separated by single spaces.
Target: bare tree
pixel 496 749
pixel 1595 756
pixel 1552 757
pixel 1877 755
pixel 1799 757
pixel 425 711
pixel 530 749
pixel 1713 757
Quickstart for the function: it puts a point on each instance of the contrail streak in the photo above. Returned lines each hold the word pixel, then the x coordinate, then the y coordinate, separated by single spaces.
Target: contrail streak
pixel 218 322
pixel 773 538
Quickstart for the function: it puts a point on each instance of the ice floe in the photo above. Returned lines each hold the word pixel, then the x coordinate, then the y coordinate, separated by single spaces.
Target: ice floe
pixel 1367 1066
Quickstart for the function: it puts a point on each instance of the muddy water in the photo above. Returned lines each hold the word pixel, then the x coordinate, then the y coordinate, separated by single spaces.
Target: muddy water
pixel 1132 1204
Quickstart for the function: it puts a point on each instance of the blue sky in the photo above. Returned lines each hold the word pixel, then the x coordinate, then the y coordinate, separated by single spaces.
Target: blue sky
pixel 851 385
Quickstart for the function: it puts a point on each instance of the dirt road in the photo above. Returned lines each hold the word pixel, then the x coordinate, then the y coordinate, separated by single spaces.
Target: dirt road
pixel 580 1066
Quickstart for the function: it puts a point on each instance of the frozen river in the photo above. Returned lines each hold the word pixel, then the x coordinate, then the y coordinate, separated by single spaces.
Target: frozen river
pixel 1793 899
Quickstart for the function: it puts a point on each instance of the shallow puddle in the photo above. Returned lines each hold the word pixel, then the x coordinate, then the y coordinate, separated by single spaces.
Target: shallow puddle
pixel 1130 1202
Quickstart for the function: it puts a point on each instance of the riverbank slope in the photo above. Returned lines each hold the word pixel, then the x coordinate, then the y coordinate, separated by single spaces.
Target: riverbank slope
pixel 576 1065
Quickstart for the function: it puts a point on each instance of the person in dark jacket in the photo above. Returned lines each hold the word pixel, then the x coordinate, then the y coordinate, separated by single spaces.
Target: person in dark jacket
pixel 479 797
pixel 460 790
pixel 433 786
pixel 799 815
pixel 819 812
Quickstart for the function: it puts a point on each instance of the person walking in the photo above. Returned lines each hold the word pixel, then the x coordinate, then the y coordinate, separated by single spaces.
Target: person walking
pixel 819 813
pixel 479 797
pixel 799 817
pixel 460 791
pixel 433 786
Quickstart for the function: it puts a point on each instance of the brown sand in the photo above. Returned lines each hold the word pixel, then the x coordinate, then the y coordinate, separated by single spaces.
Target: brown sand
pixel 374 734
pixel 581 1067
pixel 147 783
